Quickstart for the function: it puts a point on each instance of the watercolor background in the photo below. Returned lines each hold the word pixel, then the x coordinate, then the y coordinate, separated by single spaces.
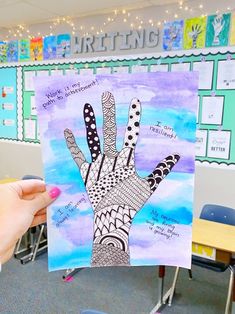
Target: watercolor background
pixel 168 99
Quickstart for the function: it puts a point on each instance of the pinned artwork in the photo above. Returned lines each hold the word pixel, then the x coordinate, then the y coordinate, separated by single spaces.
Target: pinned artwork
pixel 36 49
pixel 63 46
pixel 173 35
pixel 49 47
pixel 12 51
pixel 3 51
pixel 24 50
pixel 195 33
pixel 121 149
pixel 232 30
pixel 217 31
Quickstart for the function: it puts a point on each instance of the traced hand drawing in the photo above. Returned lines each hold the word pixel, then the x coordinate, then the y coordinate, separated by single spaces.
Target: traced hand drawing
pixel 218 25
pixel 115 190
pixel 196 31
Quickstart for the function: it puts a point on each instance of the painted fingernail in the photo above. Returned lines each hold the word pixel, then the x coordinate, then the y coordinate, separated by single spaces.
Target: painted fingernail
pixel 54 192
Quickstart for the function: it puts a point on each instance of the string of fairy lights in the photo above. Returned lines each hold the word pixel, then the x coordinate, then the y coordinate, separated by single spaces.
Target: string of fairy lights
pixel 132 20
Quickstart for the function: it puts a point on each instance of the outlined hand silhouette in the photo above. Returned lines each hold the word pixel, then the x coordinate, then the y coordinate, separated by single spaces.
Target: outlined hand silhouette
pixel 115 190
pixel 196 31
pixel 218 25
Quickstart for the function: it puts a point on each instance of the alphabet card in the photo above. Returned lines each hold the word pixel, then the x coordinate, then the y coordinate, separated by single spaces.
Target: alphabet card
pixel 121 149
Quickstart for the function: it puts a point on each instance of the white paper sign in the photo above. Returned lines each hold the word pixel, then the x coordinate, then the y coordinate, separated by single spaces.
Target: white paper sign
pixel 139 68
pixel 7 106
pixel 159 68
pixel 212 110
pixel 219 144
pixel 180 67
pixel 104 70
pixel 226 74
pixel 124 69
pixel 8 89
pixel 205 70
pixel 200 145
pixel 57 72
pixel 42 73
pixel 30 129
pixel 86 72
pixel 33 111
pixel 8 122
pixel 28 80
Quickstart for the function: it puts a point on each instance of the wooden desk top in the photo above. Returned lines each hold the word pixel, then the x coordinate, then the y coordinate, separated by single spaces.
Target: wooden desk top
pixel 213 234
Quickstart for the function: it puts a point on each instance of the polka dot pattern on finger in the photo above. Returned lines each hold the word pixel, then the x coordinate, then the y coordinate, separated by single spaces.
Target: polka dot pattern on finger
pixel 92 136
pixel 132 130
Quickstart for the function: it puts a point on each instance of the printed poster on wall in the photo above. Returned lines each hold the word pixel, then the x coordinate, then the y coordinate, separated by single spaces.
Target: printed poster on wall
pixel 63 46
pixel 121 149
pixel 217 30
pixel 173 35
pixel 12 51
pixel 3 51
pixel 36 49
pixel 195 33
pixel 49 47
pixel 24 50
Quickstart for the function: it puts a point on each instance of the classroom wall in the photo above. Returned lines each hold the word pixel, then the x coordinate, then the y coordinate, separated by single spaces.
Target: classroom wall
pixel 211 185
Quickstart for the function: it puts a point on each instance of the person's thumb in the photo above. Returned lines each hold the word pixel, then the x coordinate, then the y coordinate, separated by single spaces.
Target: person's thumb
pixel 42 200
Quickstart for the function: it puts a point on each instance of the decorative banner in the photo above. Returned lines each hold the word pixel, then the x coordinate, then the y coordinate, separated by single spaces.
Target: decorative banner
pixel 232 32
pixel 173 35
pixel 3 51
pixel 36 47
pixel 49 47
pixel 12 51
pixel 24 50
pixel 195 33
pixel 63 46
pixel 127 195
pixel 217 30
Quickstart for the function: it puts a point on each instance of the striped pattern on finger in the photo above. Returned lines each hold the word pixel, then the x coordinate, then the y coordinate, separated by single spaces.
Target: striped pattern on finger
pixel 109 127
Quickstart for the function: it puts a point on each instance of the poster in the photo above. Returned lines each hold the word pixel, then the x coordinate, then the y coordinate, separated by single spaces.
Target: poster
pixel 24 50
pixel 12 51
pixel 219 144
pixel 49 47
pixel 195 33
pixel 127 182
pixel 63 46
pixel 173 35
pixel 232 30
pixel 205 69
pixel 36 49
pixel 217 30
pixel 212 110
pixel 201 143
pixel 226 74
pixel 3 51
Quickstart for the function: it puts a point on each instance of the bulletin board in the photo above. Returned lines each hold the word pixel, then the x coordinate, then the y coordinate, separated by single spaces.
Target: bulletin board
pixel 215 140
pixel 8 107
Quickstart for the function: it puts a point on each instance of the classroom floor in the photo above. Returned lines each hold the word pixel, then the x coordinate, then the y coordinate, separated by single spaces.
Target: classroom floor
pixel 31 289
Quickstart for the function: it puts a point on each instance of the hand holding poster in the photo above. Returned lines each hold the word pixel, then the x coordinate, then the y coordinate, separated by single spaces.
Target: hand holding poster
pixel 130 201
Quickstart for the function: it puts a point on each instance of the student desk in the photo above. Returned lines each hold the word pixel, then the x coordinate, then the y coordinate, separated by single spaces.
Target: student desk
pixel 217 236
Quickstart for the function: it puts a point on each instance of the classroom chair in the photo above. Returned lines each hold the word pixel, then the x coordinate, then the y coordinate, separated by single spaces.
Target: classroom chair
pixel 34 242
pixel 220 214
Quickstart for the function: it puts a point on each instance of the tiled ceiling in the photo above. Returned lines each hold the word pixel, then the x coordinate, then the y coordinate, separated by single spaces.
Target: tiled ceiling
pixel 15 12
